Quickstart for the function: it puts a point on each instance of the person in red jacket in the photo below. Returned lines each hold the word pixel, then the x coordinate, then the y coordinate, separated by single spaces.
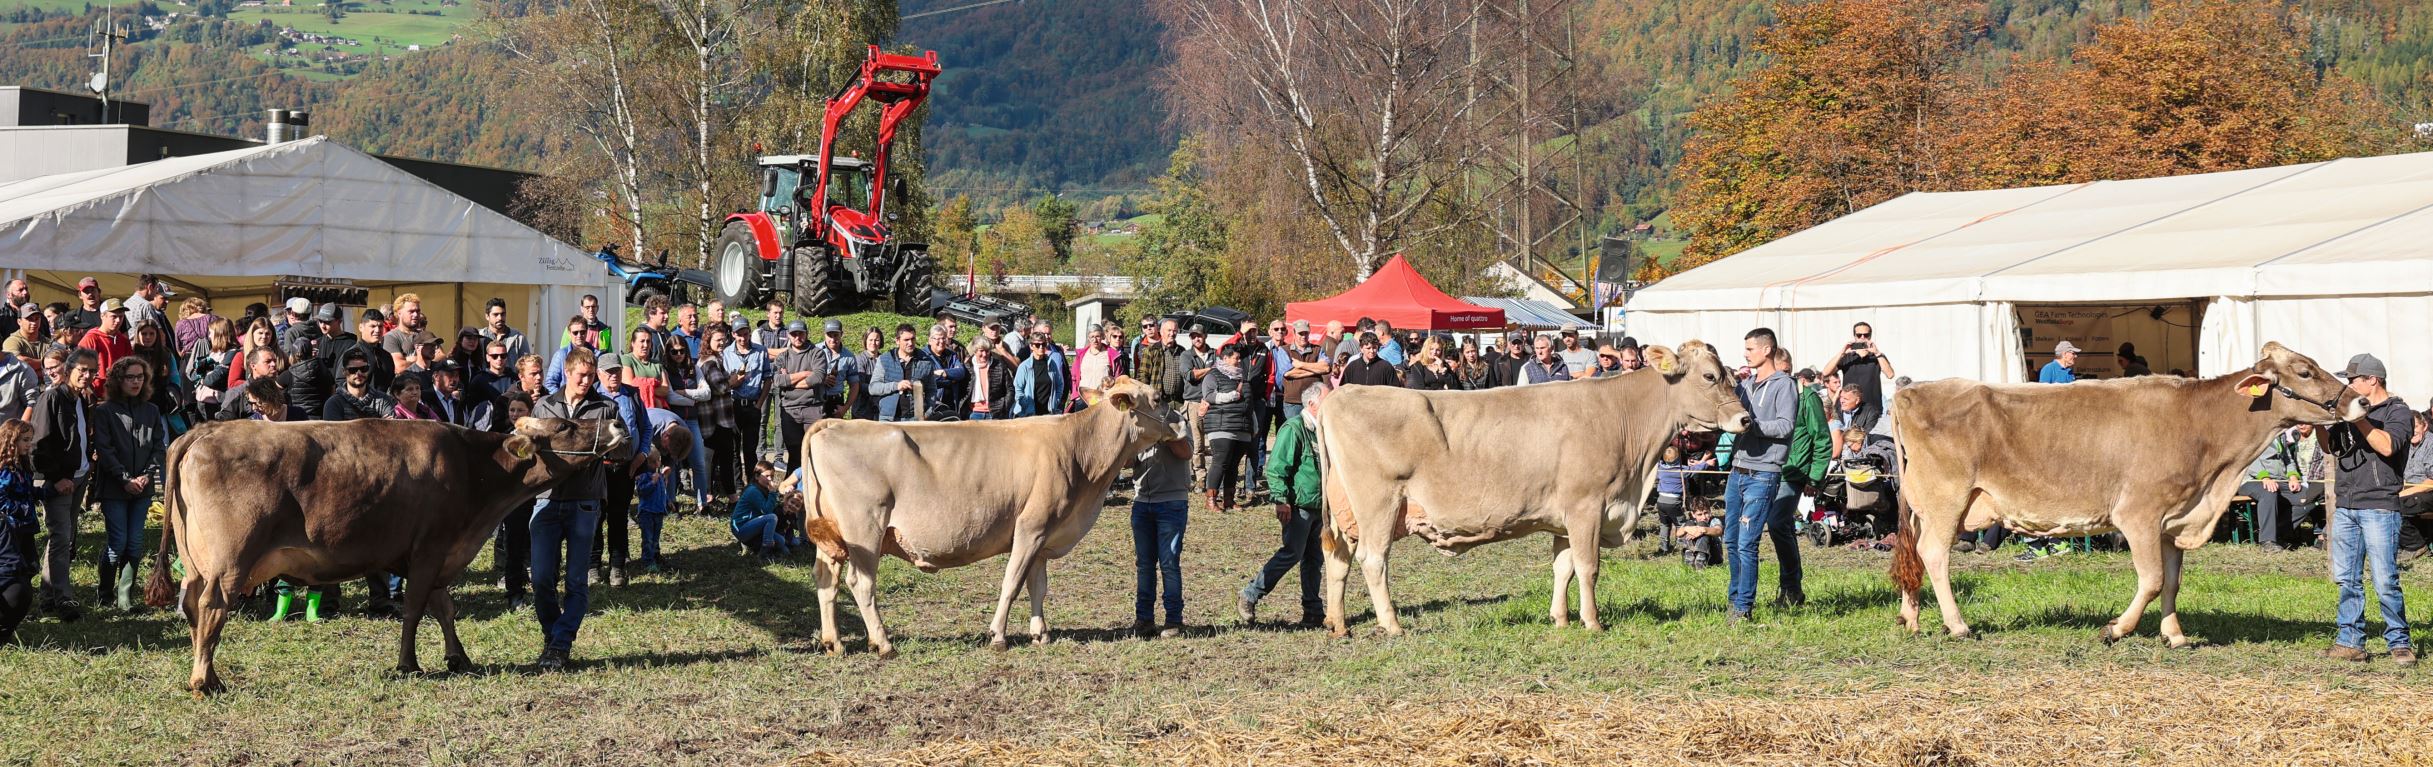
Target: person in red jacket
pixel 109 343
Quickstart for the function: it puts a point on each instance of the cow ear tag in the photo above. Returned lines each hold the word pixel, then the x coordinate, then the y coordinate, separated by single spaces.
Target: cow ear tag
pixel 1665 365
pixel 2254 386
pixel 2256 390
pixel 520 447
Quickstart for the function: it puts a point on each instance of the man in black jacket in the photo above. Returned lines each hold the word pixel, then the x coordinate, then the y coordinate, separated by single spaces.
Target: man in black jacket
pixel 63 461
pixel 357 400
pixel 266 365
pixel 308 376
pixel 1369 369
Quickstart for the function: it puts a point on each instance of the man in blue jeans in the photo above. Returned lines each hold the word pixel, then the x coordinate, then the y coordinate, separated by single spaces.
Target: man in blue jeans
pixel 1160 507
pixel 1757 464
pixel 2371 452
pixel 1292 475
pixel 568 516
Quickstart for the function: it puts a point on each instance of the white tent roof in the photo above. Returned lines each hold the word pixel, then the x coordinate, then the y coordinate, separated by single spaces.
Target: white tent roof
pixel 308 208
pixel 2349 226
pixel 1529 313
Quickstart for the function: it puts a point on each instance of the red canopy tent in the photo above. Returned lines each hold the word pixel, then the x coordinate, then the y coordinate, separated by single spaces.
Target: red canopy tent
pixel 1397 294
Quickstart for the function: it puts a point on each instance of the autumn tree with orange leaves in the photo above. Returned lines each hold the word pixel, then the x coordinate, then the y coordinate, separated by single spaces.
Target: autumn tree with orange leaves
pixel 1863 101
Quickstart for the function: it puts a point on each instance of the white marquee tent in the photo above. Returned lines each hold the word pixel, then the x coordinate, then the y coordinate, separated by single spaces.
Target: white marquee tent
pixel 2331 258
pixel 228 224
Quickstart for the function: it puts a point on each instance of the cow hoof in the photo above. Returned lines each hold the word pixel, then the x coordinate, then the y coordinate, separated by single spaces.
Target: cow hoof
pixel 1561 621
pixel 1594 628
pixel 998 644
pixel 2107 634
pixel 1963 634
pixel 207 688
pixel 2178 642
pixel 887 652
pixel 409 669
pixel 832 647
pixel 458 664
pixel 1039 640
pixel 1393 631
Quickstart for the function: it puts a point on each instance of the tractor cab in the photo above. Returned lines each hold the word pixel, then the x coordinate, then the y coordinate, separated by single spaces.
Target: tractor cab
pixel 783 192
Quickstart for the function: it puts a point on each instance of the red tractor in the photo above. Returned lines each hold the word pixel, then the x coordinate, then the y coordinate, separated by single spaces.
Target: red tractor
pixel 822 233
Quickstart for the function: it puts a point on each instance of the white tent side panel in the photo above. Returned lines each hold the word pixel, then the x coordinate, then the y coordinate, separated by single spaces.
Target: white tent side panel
pixel 1923 342
pixel 2332 328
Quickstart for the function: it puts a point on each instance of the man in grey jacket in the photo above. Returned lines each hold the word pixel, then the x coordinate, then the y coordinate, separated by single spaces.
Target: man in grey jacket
pixel 568 517
pixel 1757 464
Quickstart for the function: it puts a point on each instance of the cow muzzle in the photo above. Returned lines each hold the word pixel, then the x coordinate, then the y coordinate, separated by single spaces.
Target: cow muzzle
pixel 1738 423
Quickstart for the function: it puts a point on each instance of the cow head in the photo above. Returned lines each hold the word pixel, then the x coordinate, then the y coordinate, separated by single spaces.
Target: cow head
pixel 1144 422
pixel 2293 387
pixel 1699 387
pixel 558 448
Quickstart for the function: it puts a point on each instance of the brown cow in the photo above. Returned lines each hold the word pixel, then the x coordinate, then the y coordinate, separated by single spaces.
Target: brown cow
pixel 318 502
pixel 2154 457
pixel 943 495
pixel 1462 468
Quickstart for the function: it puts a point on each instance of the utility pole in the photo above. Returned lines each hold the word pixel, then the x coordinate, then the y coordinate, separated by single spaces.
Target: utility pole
pixel 108 31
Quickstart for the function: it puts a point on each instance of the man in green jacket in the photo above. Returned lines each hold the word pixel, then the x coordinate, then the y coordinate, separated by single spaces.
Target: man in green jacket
pixel 1293 477
pixel 1804 470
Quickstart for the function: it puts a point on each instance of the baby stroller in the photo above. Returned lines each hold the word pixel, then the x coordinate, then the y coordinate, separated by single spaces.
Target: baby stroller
pixel 1860 504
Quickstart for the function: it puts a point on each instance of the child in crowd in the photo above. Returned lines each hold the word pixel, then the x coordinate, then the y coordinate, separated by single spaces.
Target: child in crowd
pixel 754 518
pixel 20 518
pixel 1701 536
pixel 652 497
pixel 1672 477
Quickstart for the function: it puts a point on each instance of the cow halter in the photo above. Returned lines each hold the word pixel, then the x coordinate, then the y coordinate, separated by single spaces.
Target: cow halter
pixel 2329 404
pixel 595 452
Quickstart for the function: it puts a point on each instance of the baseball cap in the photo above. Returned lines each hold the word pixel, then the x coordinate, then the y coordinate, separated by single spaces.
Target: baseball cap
pixel 610 362
pixel 2064 347
pixel 299 306
pixel 1300 326
pixel 797 326
pixel 113 305
pixel 447 366
pixel 87 282
pixel 1571 331
pixel 329 313
pixel 157 282
pixel 832 326
pixel 2364 365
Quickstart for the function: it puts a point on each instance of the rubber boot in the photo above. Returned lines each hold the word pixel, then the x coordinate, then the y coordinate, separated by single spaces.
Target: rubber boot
pixel 312 605
pixel 108 577
pixel 287 602
pixel 126 586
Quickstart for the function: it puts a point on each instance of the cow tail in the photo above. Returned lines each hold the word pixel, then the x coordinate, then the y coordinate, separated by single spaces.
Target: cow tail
pixel 160 591
pixel 817 525
pixel 1329 537
pixel 1907 567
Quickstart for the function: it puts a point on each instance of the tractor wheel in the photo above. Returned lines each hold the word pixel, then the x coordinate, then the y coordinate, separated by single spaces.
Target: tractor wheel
pixel 644 294
pixel 912 289
pixel 737 266
pixel 815 281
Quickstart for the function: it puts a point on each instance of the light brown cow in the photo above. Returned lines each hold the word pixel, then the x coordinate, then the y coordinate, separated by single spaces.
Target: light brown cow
pixel 324 502
pixel 1462 468
pixel 2154 457
pixel 943 495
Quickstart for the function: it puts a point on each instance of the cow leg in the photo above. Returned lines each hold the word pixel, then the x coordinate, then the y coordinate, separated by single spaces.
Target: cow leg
pixel 863 579
pixel 417 602
pixel 443 607
pixel 1038 588
pixel 1338 575
pixel 1373 566
pixel 2146 551
pixel 1584 553
pixel 1938 568
pixel 1017 565
pixel 210 609
pixel 825 573
pixel 1558 609
pixel 2172 556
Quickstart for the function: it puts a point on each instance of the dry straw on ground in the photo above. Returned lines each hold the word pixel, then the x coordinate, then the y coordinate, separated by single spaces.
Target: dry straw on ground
pixel 2126 718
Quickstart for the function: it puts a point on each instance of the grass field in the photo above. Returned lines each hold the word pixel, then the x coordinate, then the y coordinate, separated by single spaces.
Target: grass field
pixel 714 663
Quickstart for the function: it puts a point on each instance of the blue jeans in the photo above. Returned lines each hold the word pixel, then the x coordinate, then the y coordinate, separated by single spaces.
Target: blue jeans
pixel 761 532
pixel 122 522
pixel 1300 548
pixel 561 535
pixel 981 417
pixel 651 523
pixel 701 466
pixel 2368 538
pixel 1748 500
pixel 1157 550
